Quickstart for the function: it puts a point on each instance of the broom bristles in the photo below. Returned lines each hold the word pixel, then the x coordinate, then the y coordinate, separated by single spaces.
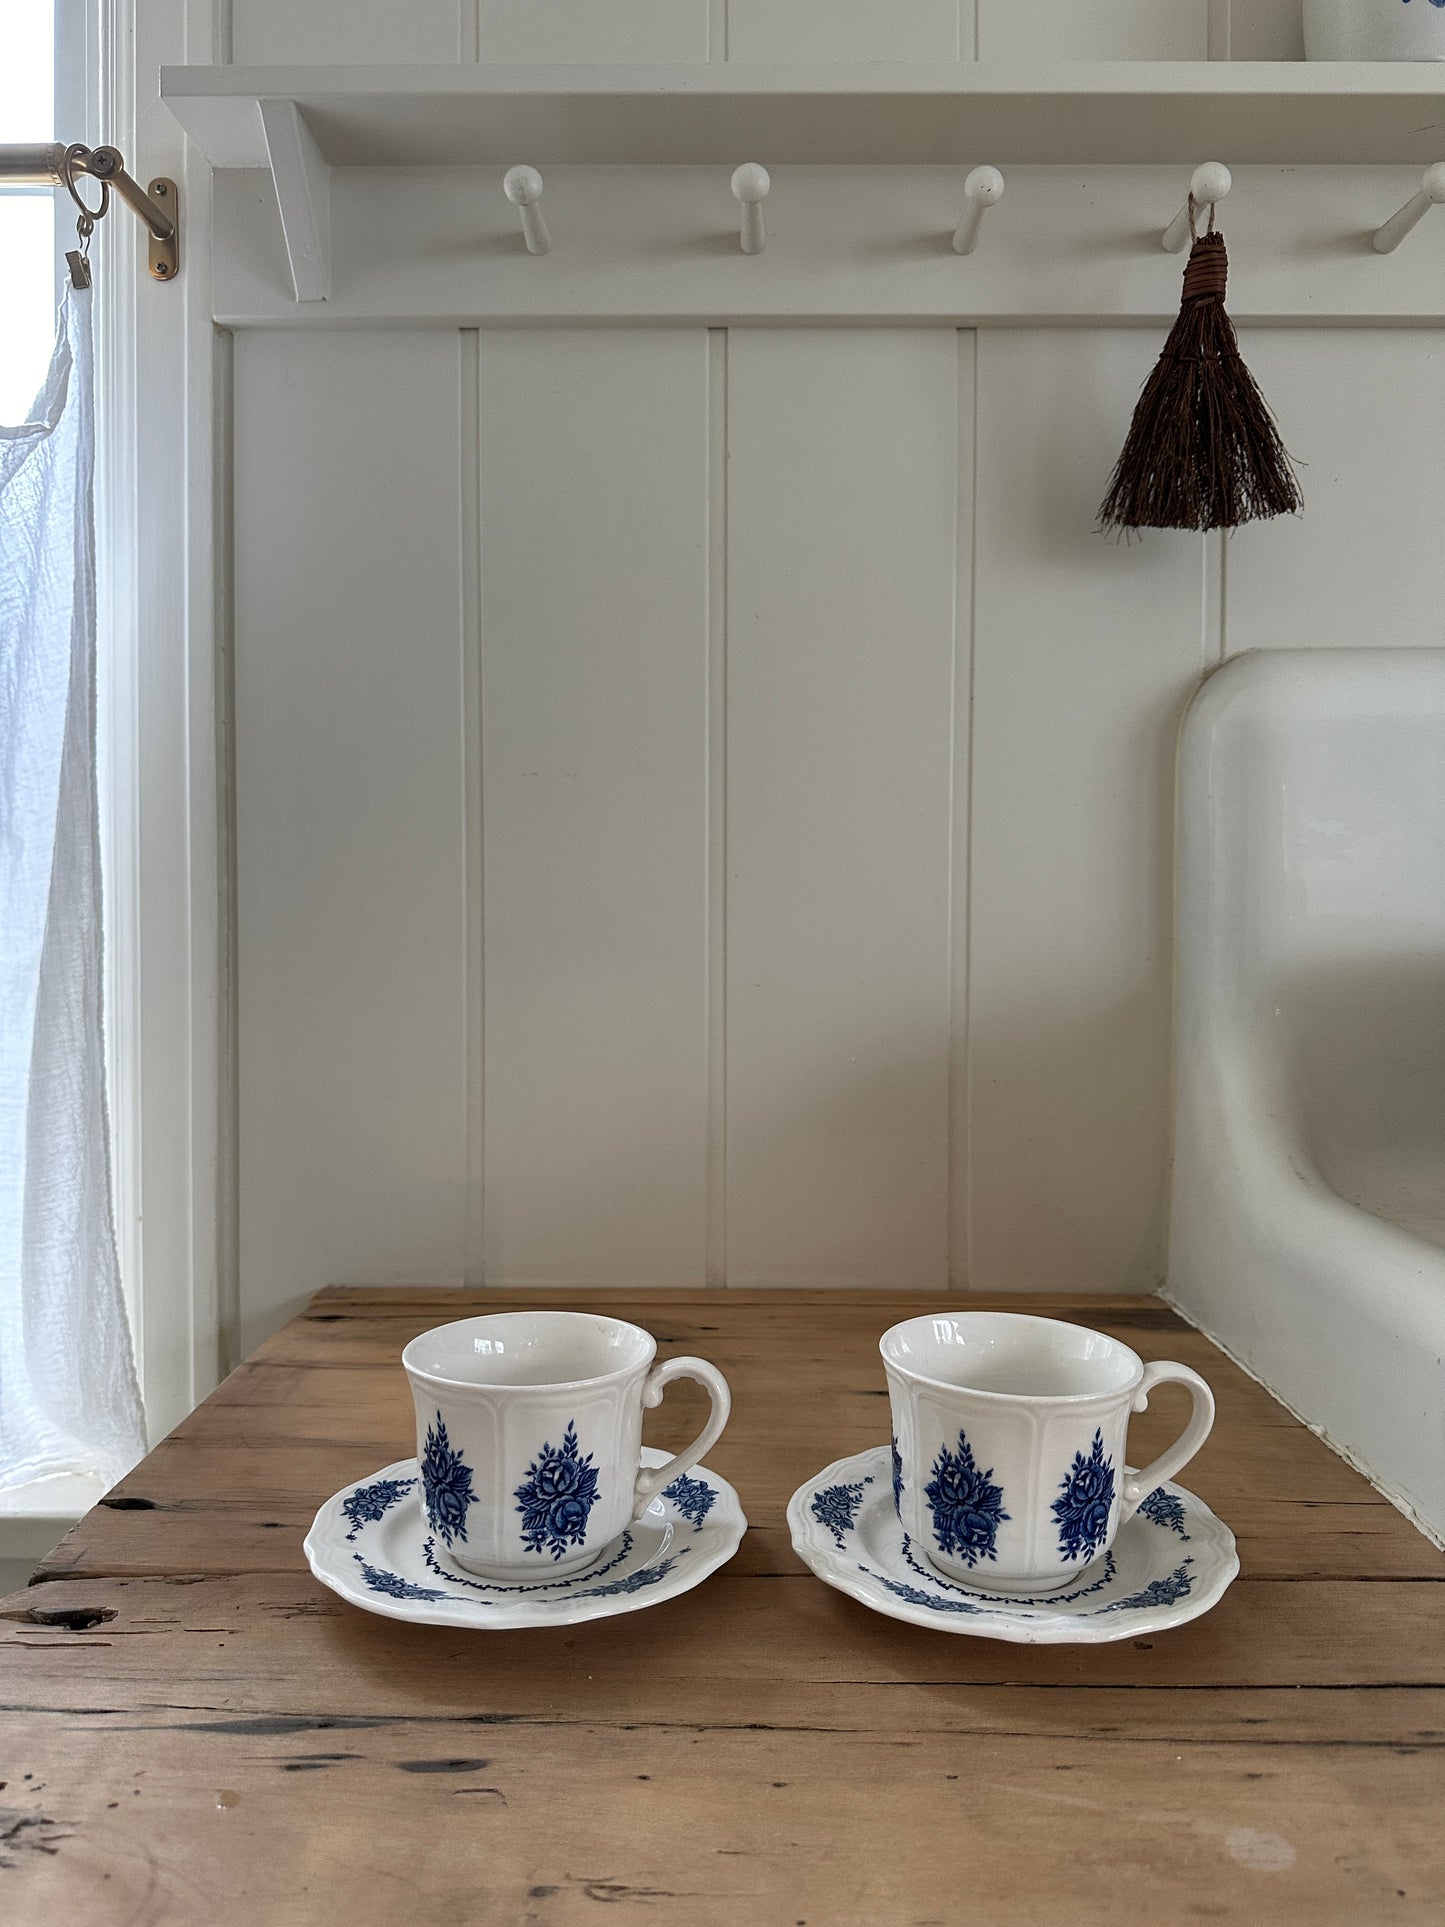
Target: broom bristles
pixel 1203 450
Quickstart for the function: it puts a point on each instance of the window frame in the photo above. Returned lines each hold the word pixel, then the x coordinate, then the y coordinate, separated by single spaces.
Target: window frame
pixel 162 462
pixel 162 729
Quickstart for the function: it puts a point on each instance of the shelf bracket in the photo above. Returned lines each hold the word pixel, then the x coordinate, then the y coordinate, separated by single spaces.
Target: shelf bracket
pixel 302 177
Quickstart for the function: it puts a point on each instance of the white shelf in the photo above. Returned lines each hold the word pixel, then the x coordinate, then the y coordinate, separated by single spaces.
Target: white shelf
pixel 1082 112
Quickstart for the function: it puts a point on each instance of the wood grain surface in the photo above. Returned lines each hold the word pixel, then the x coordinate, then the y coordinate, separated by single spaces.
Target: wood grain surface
pixel 194 1728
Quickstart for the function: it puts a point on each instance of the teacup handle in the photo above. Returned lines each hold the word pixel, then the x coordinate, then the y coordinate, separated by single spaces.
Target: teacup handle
pixel 1138 1485
pixel 651 1480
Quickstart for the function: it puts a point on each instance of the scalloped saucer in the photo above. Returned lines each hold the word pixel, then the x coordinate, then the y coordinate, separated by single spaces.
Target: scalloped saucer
pixel 1171 1562
pixel 371 1544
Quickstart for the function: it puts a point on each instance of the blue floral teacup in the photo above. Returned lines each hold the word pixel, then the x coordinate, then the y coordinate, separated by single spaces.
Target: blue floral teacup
pixel 1008 1444
pixel 529 1436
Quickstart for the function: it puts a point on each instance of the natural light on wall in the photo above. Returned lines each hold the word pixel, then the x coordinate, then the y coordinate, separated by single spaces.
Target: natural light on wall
pixel 27 214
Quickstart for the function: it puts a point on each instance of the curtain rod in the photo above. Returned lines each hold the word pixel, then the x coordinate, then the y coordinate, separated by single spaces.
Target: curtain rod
pixel 56 164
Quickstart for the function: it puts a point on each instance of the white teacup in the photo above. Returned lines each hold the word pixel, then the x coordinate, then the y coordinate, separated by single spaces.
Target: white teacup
pixel 529 1436
pixel 1008 1441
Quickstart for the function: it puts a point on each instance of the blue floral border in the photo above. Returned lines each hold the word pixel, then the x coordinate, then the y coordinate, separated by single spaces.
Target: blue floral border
pixel 511 1589
pixel 366 1504
pixel 1163 1508
pixel 693 1498
pixel 835 1507
pixel 1109 1573
pixel 392 1583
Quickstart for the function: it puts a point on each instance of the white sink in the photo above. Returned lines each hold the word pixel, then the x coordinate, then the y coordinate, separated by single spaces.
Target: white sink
pixel 1308 1207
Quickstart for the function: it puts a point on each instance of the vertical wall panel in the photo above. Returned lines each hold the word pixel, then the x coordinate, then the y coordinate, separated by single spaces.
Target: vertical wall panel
pixel 849 29
pixel 842 521
pixel 264 32
pixel 1093 29
pixel 349 820
pixel 1266 30
pixel 656 30
pixel 594 605
pixel 678 30
pixel 1363 411
pixel 1085 651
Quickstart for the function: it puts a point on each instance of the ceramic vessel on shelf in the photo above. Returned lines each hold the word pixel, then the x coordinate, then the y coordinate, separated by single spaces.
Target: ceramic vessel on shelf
pixel 1374 29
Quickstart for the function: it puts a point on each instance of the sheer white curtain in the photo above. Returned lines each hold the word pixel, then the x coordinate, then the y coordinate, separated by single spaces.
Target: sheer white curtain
pixel 68 1395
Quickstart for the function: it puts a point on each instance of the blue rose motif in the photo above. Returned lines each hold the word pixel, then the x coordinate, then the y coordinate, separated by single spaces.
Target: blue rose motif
pixel 692 1497
pixel 897 1479
pixel 368 1503
pixel 1159 1592
pixel 1085 1499
pixel 446 1481
pixel 393 1585
pixel 967 1507
pixel 569 1517
pixel 836 1508
pixel 636 1580
pixel 1161 1506
pixel 559 1492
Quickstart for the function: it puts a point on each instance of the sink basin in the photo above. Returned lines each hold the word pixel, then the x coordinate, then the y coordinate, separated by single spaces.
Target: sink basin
pixel 1307 1230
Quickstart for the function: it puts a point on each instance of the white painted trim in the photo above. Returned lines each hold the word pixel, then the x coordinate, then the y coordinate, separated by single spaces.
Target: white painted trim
pixel 26 1509
pixel 107 105
pixel 861 245
pixel 35 1518
pixel 807 113
pixel 1219 19
pixel 469 497
pixel 156 535
pixel 715 1236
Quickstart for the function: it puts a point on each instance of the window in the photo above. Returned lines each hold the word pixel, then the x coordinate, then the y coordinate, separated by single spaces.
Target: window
pixel 71 70
pixel 47 66
pixel 27 214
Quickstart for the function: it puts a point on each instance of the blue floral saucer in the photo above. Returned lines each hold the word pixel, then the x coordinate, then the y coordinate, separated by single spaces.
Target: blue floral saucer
pixel 371 1544
pixel 1171 1562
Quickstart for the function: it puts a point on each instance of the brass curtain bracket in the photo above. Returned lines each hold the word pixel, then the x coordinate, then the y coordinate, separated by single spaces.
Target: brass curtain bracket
pixel 56 164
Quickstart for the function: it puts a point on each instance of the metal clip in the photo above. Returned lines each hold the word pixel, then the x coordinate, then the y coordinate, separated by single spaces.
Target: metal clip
pixel 75 157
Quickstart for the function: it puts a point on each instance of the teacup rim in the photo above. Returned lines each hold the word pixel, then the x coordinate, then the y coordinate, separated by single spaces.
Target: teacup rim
pixel 1071 1399
pixel 464 1386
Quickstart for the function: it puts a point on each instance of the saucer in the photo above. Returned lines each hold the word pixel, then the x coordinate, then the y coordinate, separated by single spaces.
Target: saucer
pixel 1171 1562
pixel 371 1544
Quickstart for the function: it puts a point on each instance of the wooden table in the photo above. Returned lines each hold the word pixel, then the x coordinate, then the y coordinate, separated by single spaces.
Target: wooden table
pixel 195 1729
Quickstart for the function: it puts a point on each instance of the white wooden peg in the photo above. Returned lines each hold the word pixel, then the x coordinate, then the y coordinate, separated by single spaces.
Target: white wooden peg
pixel 751 185
pixel 523 188
pixel 1208 184
pixel 1432 193
pixel 982 189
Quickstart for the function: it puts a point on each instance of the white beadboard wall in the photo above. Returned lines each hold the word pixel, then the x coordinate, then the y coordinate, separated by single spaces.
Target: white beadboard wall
pixel 703 795
pixel 282 31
